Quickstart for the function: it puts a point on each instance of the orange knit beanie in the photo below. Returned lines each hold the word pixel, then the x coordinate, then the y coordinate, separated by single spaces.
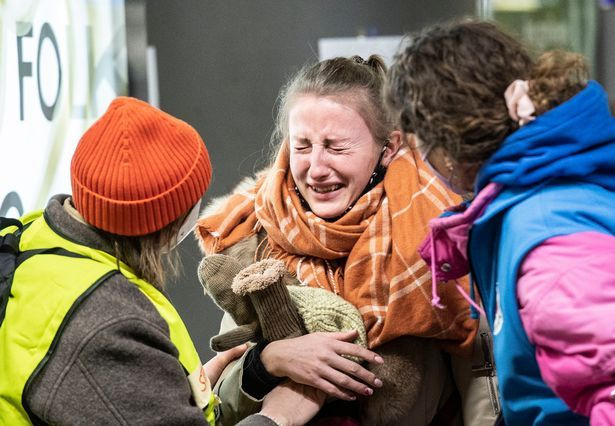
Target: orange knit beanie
pixel 137 169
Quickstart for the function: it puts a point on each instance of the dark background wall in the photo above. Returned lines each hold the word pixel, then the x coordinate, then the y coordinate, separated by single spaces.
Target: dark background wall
pixel 220 67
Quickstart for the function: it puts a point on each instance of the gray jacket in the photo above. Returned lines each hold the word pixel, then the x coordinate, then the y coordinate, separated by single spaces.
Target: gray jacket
pixel 115 362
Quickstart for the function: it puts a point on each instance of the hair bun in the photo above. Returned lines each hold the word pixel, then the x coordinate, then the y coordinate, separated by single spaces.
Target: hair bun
pixel 358 59
pixel 377 63
pixel 557 76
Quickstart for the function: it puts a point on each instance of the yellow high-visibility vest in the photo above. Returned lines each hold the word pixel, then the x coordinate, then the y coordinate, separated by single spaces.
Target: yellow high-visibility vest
pixel 46 290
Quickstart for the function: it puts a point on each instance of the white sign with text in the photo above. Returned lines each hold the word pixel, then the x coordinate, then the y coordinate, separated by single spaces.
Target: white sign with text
pixel 61 63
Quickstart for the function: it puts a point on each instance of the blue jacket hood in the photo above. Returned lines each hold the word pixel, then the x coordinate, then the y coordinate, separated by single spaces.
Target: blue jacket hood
pixel 574 140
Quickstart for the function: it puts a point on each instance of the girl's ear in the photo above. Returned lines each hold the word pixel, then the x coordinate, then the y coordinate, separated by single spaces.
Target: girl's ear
pixel 391 148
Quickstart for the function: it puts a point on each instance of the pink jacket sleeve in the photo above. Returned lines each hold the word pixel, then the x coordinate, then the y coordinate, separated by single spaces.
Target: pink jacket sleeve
pixel 566 293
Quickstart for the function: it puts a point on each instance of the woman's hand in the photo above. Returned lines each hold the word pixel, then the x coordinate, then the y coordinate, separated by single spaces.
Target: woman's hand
pixel 316 360
pixel 292 403
pixel 215 366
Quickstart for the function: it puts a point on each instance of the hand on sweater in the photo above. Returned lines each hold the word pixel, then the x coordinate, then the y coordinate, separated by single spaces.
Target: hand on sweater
pixel 292 403
pixel 317 360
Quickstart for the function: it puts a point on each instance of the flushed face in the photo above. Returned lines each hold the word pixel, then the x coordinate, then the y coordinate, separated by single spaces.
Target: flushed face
pixel 332 153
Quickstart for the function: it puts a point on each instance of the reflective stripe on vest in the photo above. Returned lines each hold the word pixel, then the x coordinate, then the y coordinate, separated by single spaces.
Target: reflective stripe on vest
pixel 40 306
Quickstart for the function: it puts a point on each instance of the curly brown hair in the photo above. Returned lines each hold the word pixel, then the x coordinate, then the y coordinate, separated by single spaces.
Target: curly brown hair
pixel 556 77
pixel 149 255
pixel 447 86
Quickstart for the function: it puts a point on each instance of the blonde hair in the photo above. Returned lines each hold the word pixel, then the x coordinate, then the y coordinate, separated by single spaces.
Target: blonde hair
pixel 145 254
pixel 352 80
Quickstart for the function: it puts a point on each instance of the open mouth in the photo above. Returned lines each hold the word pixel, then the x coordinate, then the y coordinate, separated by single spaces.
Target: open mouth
pixel 325 189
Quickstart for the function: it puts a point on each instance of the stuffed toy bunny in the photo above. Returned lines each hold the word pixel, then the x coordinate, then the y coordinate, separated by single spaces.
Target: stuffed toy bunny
pixel 266 302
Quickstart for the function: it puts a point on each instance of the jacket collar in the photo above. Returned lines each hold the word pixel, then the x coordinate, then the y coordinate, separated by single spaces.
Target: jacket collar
pixel 60 219
pixel 446 246
pixel 448 237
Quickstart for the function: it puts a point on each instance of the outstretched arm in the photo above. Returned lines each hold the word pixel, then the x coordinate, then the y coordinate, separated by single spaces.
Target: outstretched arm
pixel 289 404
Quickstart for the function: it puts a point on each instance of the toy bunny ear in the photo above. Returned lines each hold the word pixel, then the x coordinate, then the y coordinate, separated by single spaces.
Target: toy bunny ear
pixel 235 337
pixel 263 282
pixel 216 273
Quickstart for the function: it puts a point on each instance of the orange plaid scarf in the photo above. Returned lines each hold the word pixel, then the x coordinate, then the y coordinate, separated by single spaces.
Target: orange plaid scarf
pixel 368 256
